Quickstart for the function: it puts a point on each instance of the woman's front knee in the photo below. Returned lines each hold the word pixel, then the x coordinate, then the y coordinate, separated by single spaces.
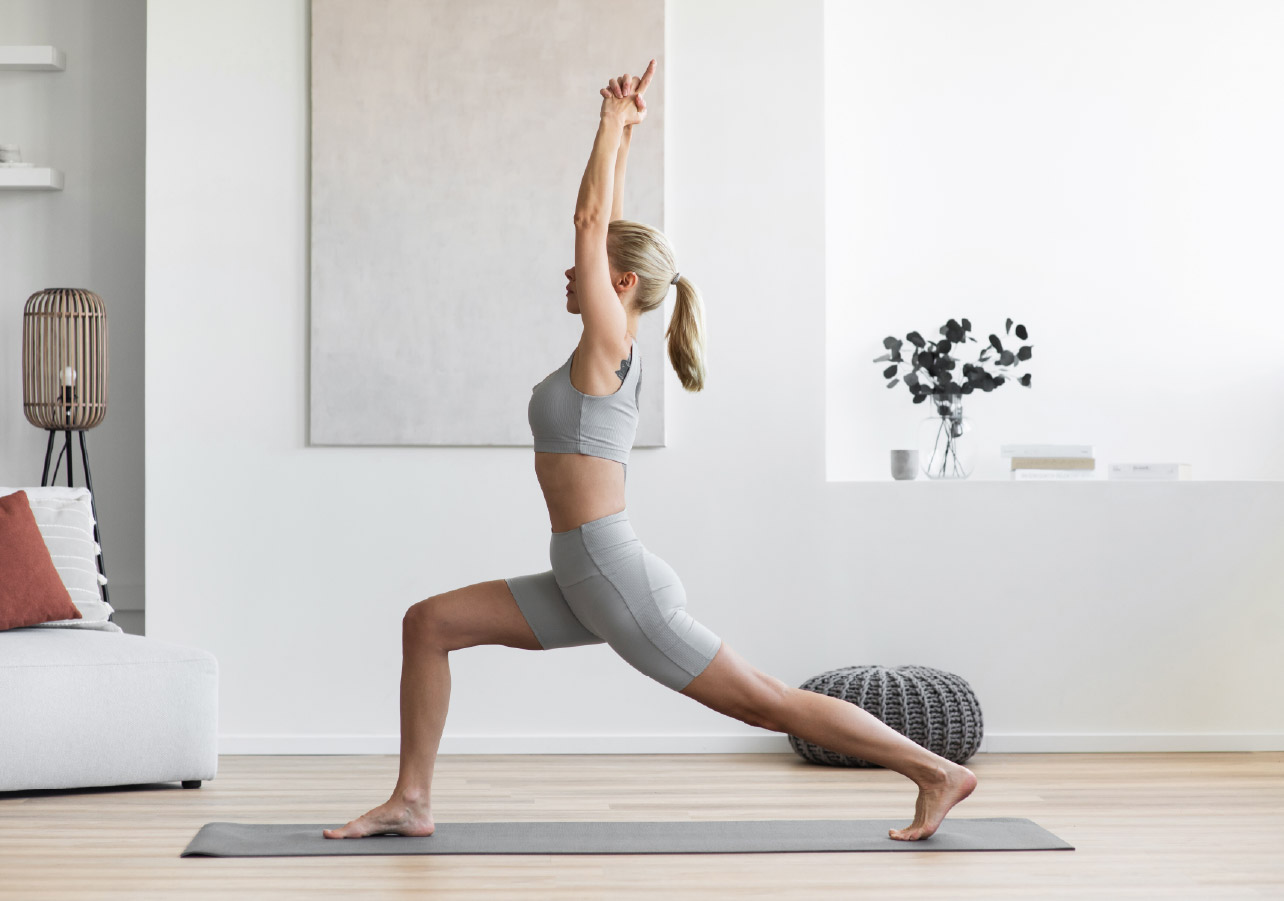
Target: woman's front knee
pixel 422 619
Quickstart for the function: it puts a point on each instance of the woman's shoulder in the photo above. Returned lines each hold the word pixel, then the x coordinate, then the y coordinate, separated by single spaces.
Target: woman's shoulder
pixel 603 365
pixel 615 349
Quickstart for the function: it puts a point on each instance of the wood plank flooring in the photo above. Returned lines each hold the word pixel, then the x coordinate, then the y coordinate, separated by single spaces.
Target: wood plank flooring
pixel 1184 826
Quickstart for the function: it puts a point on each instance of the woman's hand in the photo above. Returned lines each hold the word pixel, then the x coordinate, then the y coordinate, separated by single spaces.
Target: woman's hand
pixel 623 98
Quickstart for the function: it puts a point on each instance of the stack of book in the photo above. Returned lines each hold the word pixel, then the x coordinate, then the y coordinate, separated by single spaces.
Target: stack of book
pixel 1042 462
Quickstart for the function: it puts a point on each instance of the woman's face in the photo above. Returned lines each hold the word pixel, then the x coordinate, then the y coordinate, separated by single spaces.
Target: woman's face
pixel 572 301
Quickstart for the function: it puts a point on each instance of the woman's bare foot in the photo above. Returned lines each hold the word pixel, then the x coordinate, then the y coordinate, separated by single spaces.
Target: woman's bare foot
pixel 935 800
pixel 394 815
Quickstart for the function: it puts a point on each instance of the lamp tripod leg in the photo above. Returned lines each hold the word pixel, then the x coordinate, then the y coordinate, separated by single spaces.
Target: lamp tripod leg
pixel 67 447
pixel 44 479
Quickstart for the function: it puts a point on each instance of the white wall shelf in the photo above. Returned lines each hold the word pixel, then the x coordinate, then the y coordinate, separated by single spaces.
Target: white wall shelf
pixel 30 179
pixel 32 57
pixel 945 483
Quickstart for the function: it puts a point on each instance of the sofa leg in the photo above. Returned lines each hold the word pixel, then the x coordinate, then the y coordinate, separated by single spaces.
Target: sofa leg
pixel 191 783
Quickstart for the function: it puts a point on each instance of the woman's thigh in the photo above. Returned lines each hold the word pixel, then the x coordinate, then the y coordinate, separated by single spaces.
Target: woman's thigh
pixel 484 613
pixel 543 606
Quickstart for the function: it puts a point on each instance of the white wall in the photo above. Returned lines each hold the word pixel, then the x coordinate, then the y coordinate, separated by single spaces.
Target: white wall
pixel 1105 172
pixel 87 121
pixel 1131 616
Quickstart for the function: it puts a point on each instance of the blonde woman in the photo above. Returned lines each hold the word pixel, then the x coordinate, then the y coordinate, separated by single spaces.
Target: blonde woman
pixel 604 586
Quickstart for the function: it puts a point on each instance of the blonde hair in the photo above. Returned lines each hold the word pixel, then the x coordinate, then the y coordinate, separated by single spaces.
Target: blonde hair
pixel 645 251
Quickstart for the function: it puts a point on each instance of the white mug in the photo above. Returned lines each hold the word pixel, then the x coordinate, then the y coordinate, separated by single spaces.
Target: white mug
pixel 904 464
pixel 10 153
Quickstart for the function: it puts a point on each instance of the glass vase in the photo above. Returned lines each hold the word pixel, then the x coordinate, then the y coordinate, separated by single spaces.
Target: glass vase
pixel 946 449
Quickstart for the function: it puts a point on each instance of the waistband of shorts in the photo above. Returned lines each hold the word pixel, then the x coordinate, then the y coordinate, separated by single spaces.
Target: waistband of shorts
pixel 594 524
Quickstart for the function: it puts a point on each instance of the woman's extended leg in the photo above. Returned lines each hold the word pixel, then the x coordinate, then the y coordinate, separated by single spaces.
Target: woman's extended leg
pixel 485 613
pixel 731 686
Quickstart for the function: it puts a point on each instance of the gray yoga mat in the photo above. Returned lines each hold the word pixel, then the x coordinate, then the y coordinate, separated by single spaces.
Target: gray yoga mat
pixel 685 837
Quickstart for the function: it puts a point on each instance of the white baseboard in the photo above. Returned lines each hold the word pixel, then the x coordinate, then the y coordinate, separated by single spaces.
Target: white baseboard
pixel 766 743
pixel 1131 742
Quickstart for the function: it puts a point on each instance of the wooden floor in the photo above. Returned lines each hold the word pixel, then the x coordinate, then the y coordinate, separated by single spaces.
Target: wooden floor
pixel 1154 826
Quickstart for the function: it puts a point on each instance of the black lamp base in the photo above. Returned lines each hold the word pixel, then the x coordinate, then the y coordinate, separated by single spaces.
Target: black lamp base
pixel 84 459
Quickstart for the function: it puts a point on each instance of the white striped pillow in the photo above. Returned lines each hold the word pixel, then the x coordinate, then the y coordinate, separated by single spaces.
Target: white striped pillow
pixel 66 522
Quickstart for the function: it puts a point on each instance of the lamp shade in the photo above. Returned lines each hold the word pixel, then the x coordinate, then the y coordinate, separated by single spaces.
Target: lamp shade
pixel 64 359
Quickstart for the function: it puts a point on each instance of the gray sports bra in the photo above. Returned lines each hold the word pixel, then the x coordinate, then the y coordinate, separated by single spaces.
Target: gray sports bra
pixel 565 421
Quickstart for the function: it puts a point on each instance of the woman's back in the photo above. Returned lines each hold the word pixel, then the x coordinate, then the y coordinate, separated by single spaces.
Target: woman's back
pixel 583 432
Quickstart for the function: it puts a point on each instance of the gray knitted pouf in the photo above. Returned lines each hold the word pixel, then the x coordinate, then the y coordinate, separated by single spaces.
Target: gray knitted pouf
pixel 935 709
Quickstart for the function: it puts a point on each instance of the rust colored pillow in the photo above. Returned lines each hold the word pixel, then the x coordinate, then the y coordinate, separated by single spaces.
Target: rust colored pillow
pixel 31 591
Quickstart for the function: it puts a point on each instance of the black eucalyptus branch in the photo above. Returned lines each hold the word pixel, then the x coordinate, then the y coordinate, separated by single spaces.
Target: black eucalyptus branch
pixel 934 360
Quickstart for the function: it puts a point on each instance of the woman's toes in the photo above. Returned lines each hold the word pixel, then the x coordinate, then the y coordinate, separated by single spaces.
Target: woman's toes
pixel 357 828
pixel 396 819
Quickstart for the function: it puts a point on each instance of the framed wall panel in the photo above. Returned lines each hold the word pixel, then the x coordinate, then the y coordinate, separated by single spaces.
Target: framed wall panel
pixel 448 143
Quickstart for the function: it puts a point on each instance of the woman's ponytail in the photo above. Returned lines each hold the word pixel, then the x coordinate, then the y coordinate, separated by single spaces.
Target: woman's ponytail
pixel 687 336
pixel 639 248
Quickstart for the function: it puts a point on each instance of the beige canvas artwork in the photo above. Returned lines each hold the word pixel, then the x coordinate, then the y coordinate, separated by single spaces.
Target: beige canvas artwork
pixel 448 143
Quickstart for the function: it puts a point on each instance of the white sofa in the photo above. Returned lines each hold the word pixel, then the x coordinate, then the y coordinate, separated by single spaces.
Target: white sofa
pixel 85 704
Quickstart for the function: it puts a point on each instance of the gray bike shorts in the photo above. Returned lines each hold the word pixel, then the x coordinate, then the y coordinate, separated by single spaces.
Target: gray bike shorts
pixel 606 587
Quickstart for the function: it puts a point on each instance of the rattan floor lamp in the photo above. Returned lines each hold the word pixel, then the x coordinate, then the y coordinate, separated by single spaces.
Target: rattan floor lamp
pixel 64 377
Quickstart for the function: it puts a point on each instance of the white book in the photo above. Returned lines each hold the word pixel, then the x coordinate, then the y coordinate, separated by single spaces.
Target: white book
pixel 1045 450
pixel 1052 475
pixel 1152 472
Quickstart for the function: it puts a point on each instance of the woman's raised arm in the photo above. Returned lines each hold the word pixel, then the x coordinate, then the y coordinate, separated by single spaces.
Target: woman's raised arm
pixel 621 163
pixel 622 87
pixel 599 303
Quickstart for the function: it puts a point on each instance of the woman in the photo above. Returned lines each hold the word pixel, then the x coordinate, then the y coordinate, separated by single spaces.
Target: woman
pixel 604 586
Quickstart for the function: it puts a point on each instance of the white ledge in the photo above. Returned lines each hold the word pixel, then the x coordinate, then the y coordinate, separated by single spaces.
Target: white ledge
pixel 30 179
pixel 32 57
pixel 890 481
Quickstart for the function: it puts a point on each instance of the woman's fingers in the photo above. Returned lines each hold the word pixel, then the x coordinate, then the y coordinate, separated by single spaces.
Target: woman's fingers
pixel 645 80
pixel 627 85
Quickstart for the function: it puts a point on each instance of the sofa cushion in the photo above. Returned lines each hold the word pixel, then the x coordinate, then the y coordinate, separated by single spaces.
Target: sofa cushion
pixel 65 517
pixel 81 708
pixel 31 591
